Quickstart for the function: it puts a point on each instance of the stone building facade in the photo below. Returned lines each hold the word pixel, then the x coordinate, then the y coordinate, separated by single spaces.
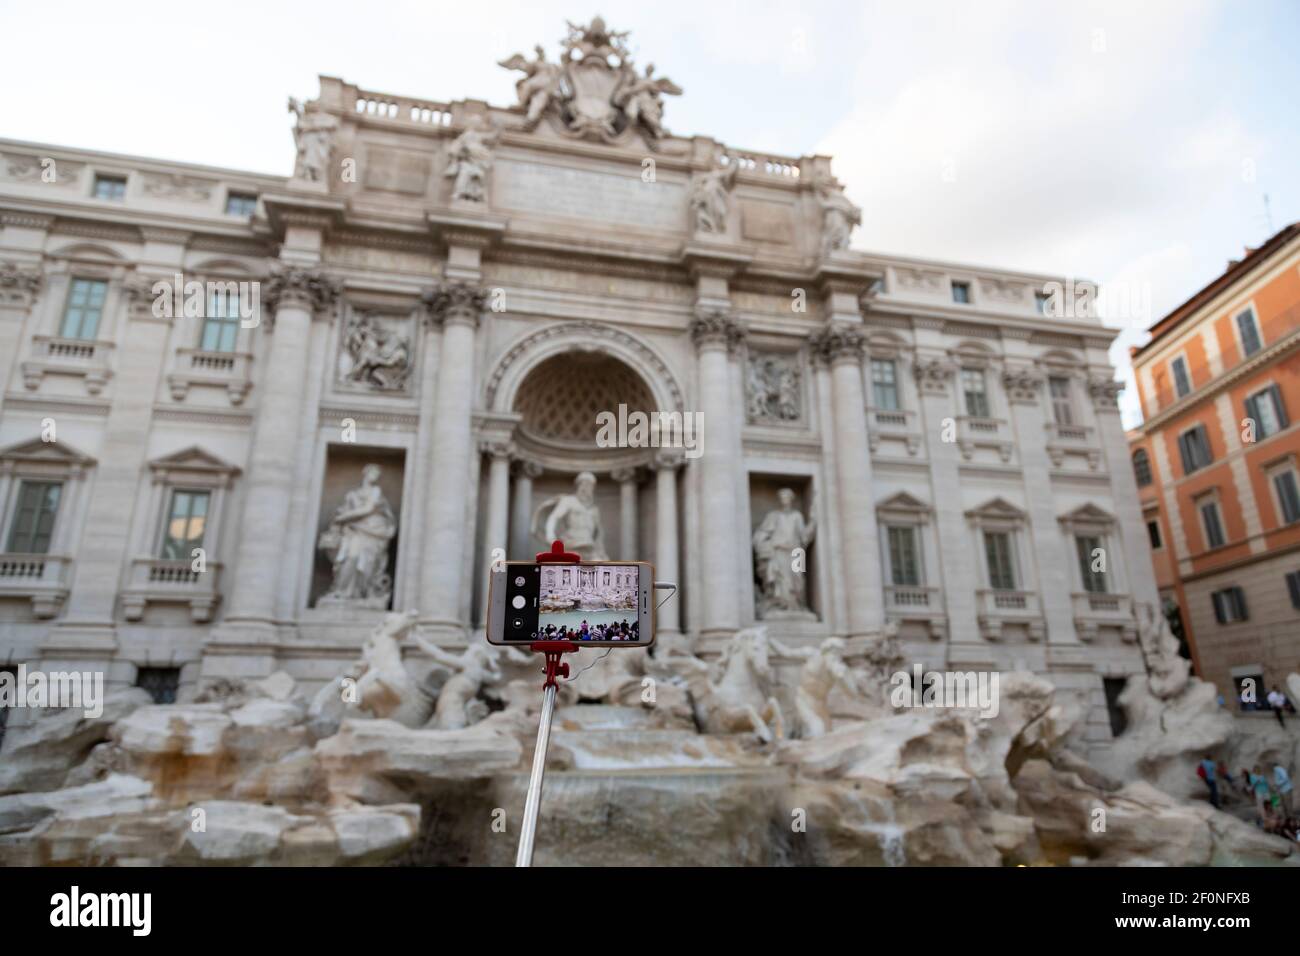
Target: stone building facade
pixel 452 292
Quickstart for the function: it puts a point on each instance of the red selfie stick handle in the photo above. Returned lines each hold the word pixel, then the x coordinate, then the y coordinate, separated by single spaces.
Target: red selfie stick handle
pixel 553 649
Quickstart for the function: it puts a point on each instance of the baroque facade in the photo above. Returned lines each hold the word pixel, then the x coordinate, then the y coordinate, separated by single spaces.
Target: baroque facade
pixel 451 292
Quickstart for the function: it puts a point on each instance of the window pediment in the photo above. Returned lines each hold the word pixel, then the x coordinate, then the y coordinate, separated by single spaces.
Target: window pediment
pixel 997 511
pixel 44 458
pixel 1088 517
pixel 193 465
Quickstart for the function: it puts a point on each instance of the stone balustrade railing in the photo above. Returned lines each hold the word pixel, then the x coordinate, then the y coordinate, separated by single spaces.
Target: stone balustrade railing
pixel 41 577
pixel 160 581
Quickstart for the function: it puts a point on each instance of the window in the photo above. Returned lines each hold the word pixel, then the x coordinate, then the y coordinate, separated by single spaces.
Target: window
pixel 1288 495
pixel 904 556
pixel 1142 467
pixel 221 324
pixel 1212 524
pixel 1293 588
pixel 961 292
pixel 1230 606
pixel 977 397
pixel 1249 329
pixel 1002 569
pixel 1266 410
pixel 1194 446
pixel 1182 383
pixel 1062 406
pixel 110 187
pixel 1091 563
pixel 884 384
pixel 186 521
pixel 240 204
pixel 160 682
pixel 1041 300
pixel 33 524
pixel 81 314
pixel 1114 686
pixel 1153 535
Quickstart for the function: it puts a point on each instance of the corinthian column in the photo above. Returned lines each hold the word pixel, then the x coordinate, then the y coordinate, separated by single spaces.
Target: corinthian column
pixel 457 307
pixel 665 466
pixel 19 287
pixel 716 334
pixel 292 297
pixel 521 516
pixel 842 347
pixel 495 531
pixel 627 539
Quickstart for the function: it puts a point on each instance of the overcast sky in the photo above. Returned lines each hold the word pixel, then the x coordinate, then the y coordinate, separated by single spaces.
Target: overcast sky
pixel 1130 143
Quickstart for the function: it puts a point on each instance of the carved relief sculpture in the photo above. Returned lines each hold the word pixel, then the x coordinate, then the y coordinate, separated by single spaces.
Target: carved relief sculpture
pixel 468 160
pixel 358 535
pixel 710 199
pixel 374 355
pixel 783 591
pixel 313 134
pixel 773 389
pixel 839 216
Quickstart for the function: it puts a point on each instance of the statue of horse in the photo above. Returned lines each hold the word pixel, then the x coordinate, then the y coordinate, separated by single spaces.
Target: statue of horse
pixel 734 696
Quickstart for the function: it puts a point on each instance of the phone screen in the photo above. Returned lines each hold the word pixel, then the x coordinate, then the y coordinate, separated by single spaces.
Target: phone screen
pixel 572 602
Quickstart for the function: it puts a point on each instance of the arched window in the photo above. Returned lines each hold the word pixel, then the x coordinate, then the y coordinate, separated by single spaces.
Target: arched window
pixel 1142 467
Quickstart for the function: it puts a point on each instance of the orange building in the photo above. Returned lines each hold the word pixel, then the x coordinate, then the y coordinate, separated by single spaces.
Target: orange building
pixel 1218 466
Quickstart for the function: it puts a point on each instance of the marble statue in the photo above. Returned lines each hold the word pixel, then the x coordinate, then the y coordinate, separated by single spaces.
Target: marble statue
pixel 375 356
pixel 313 134
pixel 735 695
pixel 824 669
pixel 782 589
pixel 539 86
pixel 1167 671
pixel 469 158
pixel 839 216
pixel 358 535
pixel 575 520
pixel 772 390
pixel 384 688
pixel 711 198
pixel 640 100
pixel 474 668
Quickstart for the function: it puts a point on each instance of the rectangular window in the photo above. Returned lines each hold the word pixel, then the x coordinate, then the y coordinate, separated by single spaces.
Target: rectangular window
pixel 1114 686
pixel 1041 299
pixel 83 308
pixel 1002 569
pixel 240 204
pixel 1293 588
pixel 1288 495
pixel 161 683
pixel 904 556
pixel 1194 446
pixel 1249 329
pixel 110 187
pixel 186 522
pixel 1266 410
pixel 1182 382
pixel 1229 605
pixel 884 384
pixel 33 524
pixel 1213 526
pixel 221 325
pixel 1092 563
pixel 977 397
pixel 1062 406
pixel 961 292
pixel 1153 534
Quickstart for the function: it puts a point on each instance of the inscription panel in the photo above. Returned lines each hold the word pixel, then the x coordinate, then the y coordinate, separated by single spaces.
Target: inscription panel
pixel 766 221
pixel 586 194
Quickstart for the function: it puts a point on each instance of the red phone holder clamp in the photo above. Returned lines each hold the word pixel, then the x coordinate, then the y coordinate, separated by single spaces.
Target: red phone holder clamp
pixel 554 649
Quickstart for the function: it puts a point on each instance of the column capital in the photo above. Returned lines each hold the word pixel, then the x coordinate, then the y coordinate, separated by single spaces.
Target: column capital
pixel 455 302
pixel 527 468
pixel 836 342
pixel 19 284
pixel 1105 393
pixel 667 459
pixel 498 448
pixel 292 286
pixel 622 475
pixel 1022 385
pixel 714 326
pixel 933 374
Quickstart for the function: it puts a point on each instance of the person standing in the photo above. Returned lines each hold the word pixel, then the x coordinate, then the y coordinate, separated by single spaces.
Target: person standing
pixel 1206 772
pixel 1282 781
pixel 1277 701
pixel 1259 783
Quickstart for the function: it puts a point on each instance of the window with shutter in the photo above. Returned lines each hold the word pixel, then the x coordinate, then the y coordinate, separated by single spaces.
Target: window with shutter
pixel 1293 586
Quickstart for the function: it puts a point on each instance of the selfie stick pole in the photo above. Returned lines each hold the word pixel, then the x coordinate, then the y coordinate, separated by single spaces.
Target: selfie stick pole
pixel 554 668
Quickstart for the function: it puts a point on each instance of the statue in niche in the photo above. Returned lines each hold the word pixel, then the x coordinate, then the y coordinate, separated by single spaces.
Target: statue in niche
pixel 783 590
pixel 313 134
pixel 711 198
pixel 772 389
pixel 469 158
pixel 374 355
pixel 640 99
pixel 358 535
pixel 839 216
pixel 539 86
pixel 575 520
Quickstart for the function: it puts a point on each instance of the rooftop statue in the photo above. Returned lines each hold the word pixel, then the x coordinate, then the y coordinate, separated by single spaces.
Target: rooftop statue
pixel 468 160
pixel 540 84
pixel 313 134
pixel 839 216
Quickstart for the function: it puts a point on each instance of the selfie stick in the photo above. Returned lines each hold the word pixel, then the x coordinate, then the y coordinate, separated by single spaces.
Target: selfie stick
pixel 554 668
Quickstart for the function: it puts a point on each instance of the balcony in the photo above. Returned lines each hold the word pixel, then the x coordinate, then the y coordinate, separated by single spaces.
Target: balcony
pixel 996 609
pixel 228 370
pixel 158 581
pixel 41 577
pixel 1065 440
pixel 976 432
pixel 893 425
pixel 52 355
pixel 917 603
pixel 1093 611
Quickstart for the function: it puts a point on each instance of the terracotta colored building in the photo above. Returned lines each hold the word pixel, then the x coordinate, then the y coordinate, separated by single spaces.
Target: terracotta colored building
pixel 1217 465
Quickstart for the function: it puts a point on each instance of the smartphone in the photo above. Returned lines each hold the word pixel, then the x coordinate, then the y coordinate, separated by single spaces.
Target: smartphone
pixel 601 603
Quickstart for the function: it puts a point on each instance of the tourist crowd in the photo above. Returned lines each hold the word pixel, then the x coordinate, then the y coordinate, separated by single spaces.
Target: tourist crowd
pixel 1272 794
pixel 614 631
